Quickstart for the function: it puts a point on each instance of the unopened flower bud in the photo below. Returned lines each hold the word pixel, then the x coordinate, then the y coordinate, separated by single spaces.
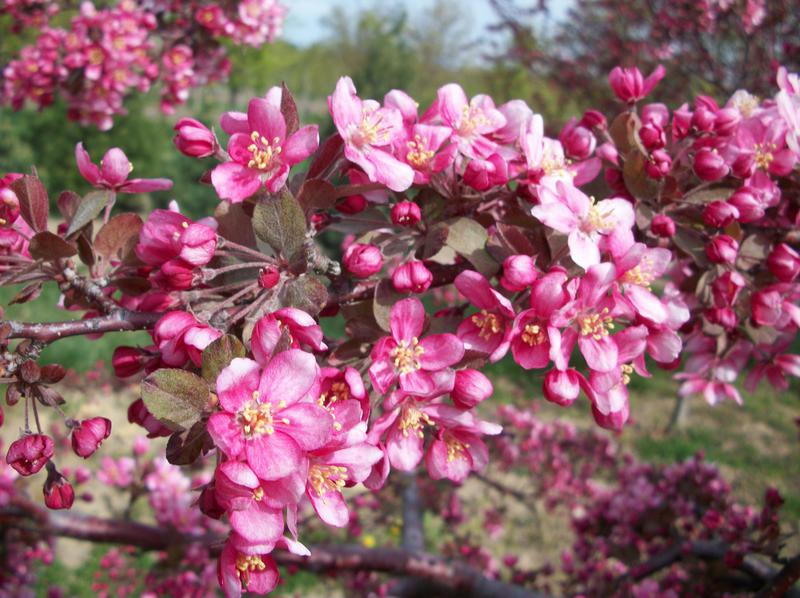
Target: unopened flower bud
pixel 470 388
pixel 363 260
pixel 27 455
pixel 194 139
pixel 89 434
pixel 592 119
pixel 412 277
pixel 727 121
pixel 519 272
pixel 749 206
pixel 653 137
pixel 406 213
pixel 722 249
pixel 784 263
pixel 719 214
pixel 58 492
pixel 662 226
pixel 578 141
pixel 709 165
pixel 561 387
pixel 127 361
pixel 268 277
pixel 659 164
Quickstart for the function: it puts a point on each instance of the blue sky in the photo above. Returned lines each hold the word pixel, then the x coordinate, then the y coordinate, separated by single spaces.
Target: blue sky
pixel 304 22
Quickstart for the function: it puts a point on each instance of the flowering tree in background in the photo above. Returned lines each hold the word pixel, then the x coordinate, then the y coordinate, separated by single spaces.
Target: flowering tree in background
pixel 712 46
pixel 685 258
pixel 102 55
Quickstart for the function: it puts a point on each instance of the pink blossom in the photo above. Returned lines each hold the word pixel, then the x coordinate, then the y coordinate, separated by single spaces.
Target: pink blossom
pixel 261 152
pixel 571 212
pixel 762 147
pixel 297 327
pixel 471 121
pixel 113 173
pixel 58 492
pixel 238 571
pixel 405 358
pixel 180 336
pixel 168 235
pixel 470 388
pixel 519 272
pixel 784 263
pixel 263 418
pixel 422 149
pixel 489 330
pixel 366 129
pixel 636 270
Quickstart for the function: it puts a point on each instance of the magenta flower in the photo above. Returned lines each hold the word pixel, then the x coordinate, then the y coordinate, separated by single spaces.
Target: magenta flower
pixel 545 160
pixel 255 506
pixel 169 235
pixel 299 328
pixel 421 148
pixel 260 151
pixel 405 358
pixel 489 330
pixel 263 419
pixel 180 336
pixel 367 129
pixel 760 146
pixel 589 319
pixel 571 212
pixel 458 448
pixel 471 121
pixel 337 386
pixel 239 571
pixel 345 461
pixel 113 173
pixel 636 270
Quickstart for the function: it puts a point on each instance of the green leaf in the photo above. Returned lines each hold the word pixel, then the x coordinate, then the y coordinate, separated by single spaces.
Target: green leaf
pixel 219 354
pixel 304 292
pixel 89 208
pixel 385 298
pixel 183 448
pixel 49 246
pixel 468 238
pixel 176 398
pixel 278 220
pixel 753 250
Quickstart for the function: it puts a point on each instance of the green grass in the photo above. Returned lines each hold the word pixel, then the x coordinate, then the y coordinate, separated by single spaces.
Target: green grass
pixel 77 353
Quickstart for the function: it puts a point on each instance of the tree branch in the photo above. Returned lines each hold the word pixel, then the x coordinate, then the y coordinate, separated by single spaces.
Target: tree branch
pixel 47 332
pixel 461 579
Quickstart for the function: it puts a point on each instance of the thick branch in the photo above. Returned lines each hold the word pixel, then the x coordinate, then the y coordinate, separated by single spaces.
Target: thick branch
pixel 460 578
pixel 781 584
pixel 118 320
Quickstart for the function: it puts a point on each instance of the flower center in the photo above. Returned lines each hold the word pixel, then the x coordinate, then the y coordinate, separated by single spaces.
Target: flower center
pixel 370 130
pixel 406 356
pixel 418 155
pixel 471 118
pixel 245 563
pixel 627 370
pixel 745 103
pixel 339 391
pixel 596 325
pixel 412 419
pixel 597 220
pixel 763 155
pixel 533 335
pixel 264 153
pixel 257 418
pixel 258 493
pixel 455 448
pixel 642 275
pixel 326 478
pixel 488 323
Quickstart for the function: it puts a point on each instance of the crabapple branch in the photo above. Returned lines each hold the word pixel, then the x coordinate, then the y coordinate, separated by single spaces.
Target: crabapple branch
pixel 47 332
pixel 454 576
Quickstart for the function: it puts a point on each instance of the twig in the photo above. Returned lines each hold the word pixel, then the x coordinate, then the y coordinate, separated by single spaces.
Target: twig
pixel 47 332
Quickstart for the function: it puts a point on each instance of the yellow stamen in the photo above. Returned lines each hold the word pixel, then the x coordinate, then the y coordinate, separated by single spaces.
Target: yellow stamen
pixel 326 478
pixel 412 419
pixel 256 418
pixel 533 335
pixel 596 325
pixel 264 152
pixel 406 356
pixel 245 563
pixel 418 155
pixel 488 323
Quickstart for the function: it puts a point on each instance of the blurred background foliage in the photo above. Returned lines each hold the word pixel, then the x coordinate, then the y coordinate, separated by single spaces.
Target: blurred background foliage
pixel 382 48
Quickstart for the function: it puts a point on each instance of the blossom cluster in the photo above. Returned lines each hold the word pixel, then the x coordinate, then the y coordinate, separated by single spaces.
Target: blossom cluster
pixel 106 54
